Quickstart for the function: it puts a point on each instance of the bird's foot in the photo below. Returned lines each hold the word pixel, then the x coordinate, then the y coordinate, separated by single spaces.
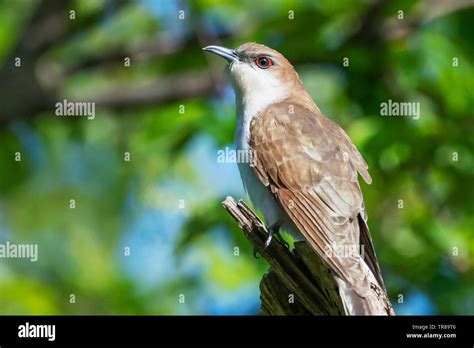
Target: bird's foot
pixel 282 241
pixel 274 230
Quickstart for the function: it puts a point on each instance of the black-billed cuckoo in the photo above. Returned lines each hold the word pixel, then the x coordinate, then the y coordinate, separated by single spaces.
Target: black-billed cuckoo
pixel 303 173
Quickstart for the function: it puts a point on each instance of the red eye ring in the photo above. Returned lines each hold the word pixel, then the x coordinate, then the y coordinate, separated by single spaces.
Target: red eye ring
pixel 263 62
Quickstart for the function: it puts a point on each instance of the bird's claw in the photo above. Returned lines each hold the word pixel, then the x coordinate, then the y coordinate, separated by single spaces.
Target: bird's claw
pixel 269 239
pixel 271 231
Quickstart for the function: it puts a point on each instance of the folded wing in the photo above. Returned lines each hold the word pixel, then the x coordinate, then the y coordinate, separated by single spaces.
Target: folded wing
pixel 311 166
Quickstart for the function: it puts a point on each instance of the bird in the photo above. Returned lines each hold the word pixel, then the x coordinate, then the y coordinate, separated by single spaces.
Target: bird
pixel 303 172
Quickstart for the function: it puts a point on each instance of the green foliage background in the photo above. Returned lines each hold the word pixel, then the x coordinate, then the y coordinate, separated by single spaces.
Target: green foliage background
pixel 426 249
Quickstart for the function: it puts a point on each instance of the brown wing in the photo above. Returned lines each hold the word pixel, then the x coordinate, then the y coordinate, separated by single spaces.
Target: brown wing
pixel 311 166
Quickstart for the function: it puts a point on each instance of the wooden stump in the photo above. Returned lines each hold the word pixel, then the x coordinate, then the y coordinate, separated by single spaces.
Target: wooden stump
pixel 298 282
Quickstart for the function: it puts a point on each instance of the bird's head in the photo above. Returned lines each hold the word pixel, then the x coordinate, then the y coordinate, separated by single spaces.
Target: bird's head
pixel 259 71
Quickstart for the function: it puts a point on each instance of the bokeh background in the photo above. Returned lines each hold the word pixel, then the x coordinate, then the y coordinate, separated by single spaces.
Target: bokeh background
pixel 172 109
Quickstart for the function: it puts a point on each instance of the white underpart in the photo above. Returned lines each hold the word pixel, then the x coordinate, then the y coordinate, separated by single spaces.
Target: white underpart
pixel 256 89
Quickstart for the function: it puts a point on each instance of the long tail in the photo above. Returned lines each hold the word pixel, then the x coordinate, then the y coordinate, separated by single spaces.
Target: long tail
pixel 374 303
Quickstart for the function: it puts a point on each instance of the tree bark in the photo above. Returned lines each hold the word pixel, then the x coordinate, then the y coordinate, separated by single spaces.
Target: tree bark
pixel 299 282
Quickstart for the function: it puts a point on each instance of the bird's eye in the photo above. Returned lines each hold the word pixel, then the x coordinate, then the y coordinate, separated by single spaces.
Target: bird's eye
pixel 263 62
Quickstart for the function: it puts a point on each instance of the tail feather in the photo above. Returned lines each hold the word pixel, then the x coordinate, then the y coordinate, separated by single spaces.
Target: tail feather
pixel 373 303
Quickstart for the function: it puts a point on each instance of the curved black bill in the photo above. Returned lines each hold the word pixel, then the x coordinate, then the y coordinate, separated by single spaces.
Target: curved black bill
pixel 226 53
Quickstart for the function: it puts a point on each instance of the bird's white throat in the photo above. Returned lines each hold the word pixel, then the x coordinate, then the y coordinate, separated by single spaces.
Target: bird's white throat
pixel 255 90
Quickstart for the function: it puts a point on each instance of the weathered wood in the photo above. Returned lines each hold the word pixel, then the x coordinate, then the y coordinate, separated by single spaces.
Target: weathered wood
pixel 298 283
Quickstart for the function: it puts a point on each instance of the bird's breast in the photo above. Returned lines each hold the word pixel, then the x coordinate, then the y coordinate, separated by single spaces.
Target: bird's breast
pixel 259 194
